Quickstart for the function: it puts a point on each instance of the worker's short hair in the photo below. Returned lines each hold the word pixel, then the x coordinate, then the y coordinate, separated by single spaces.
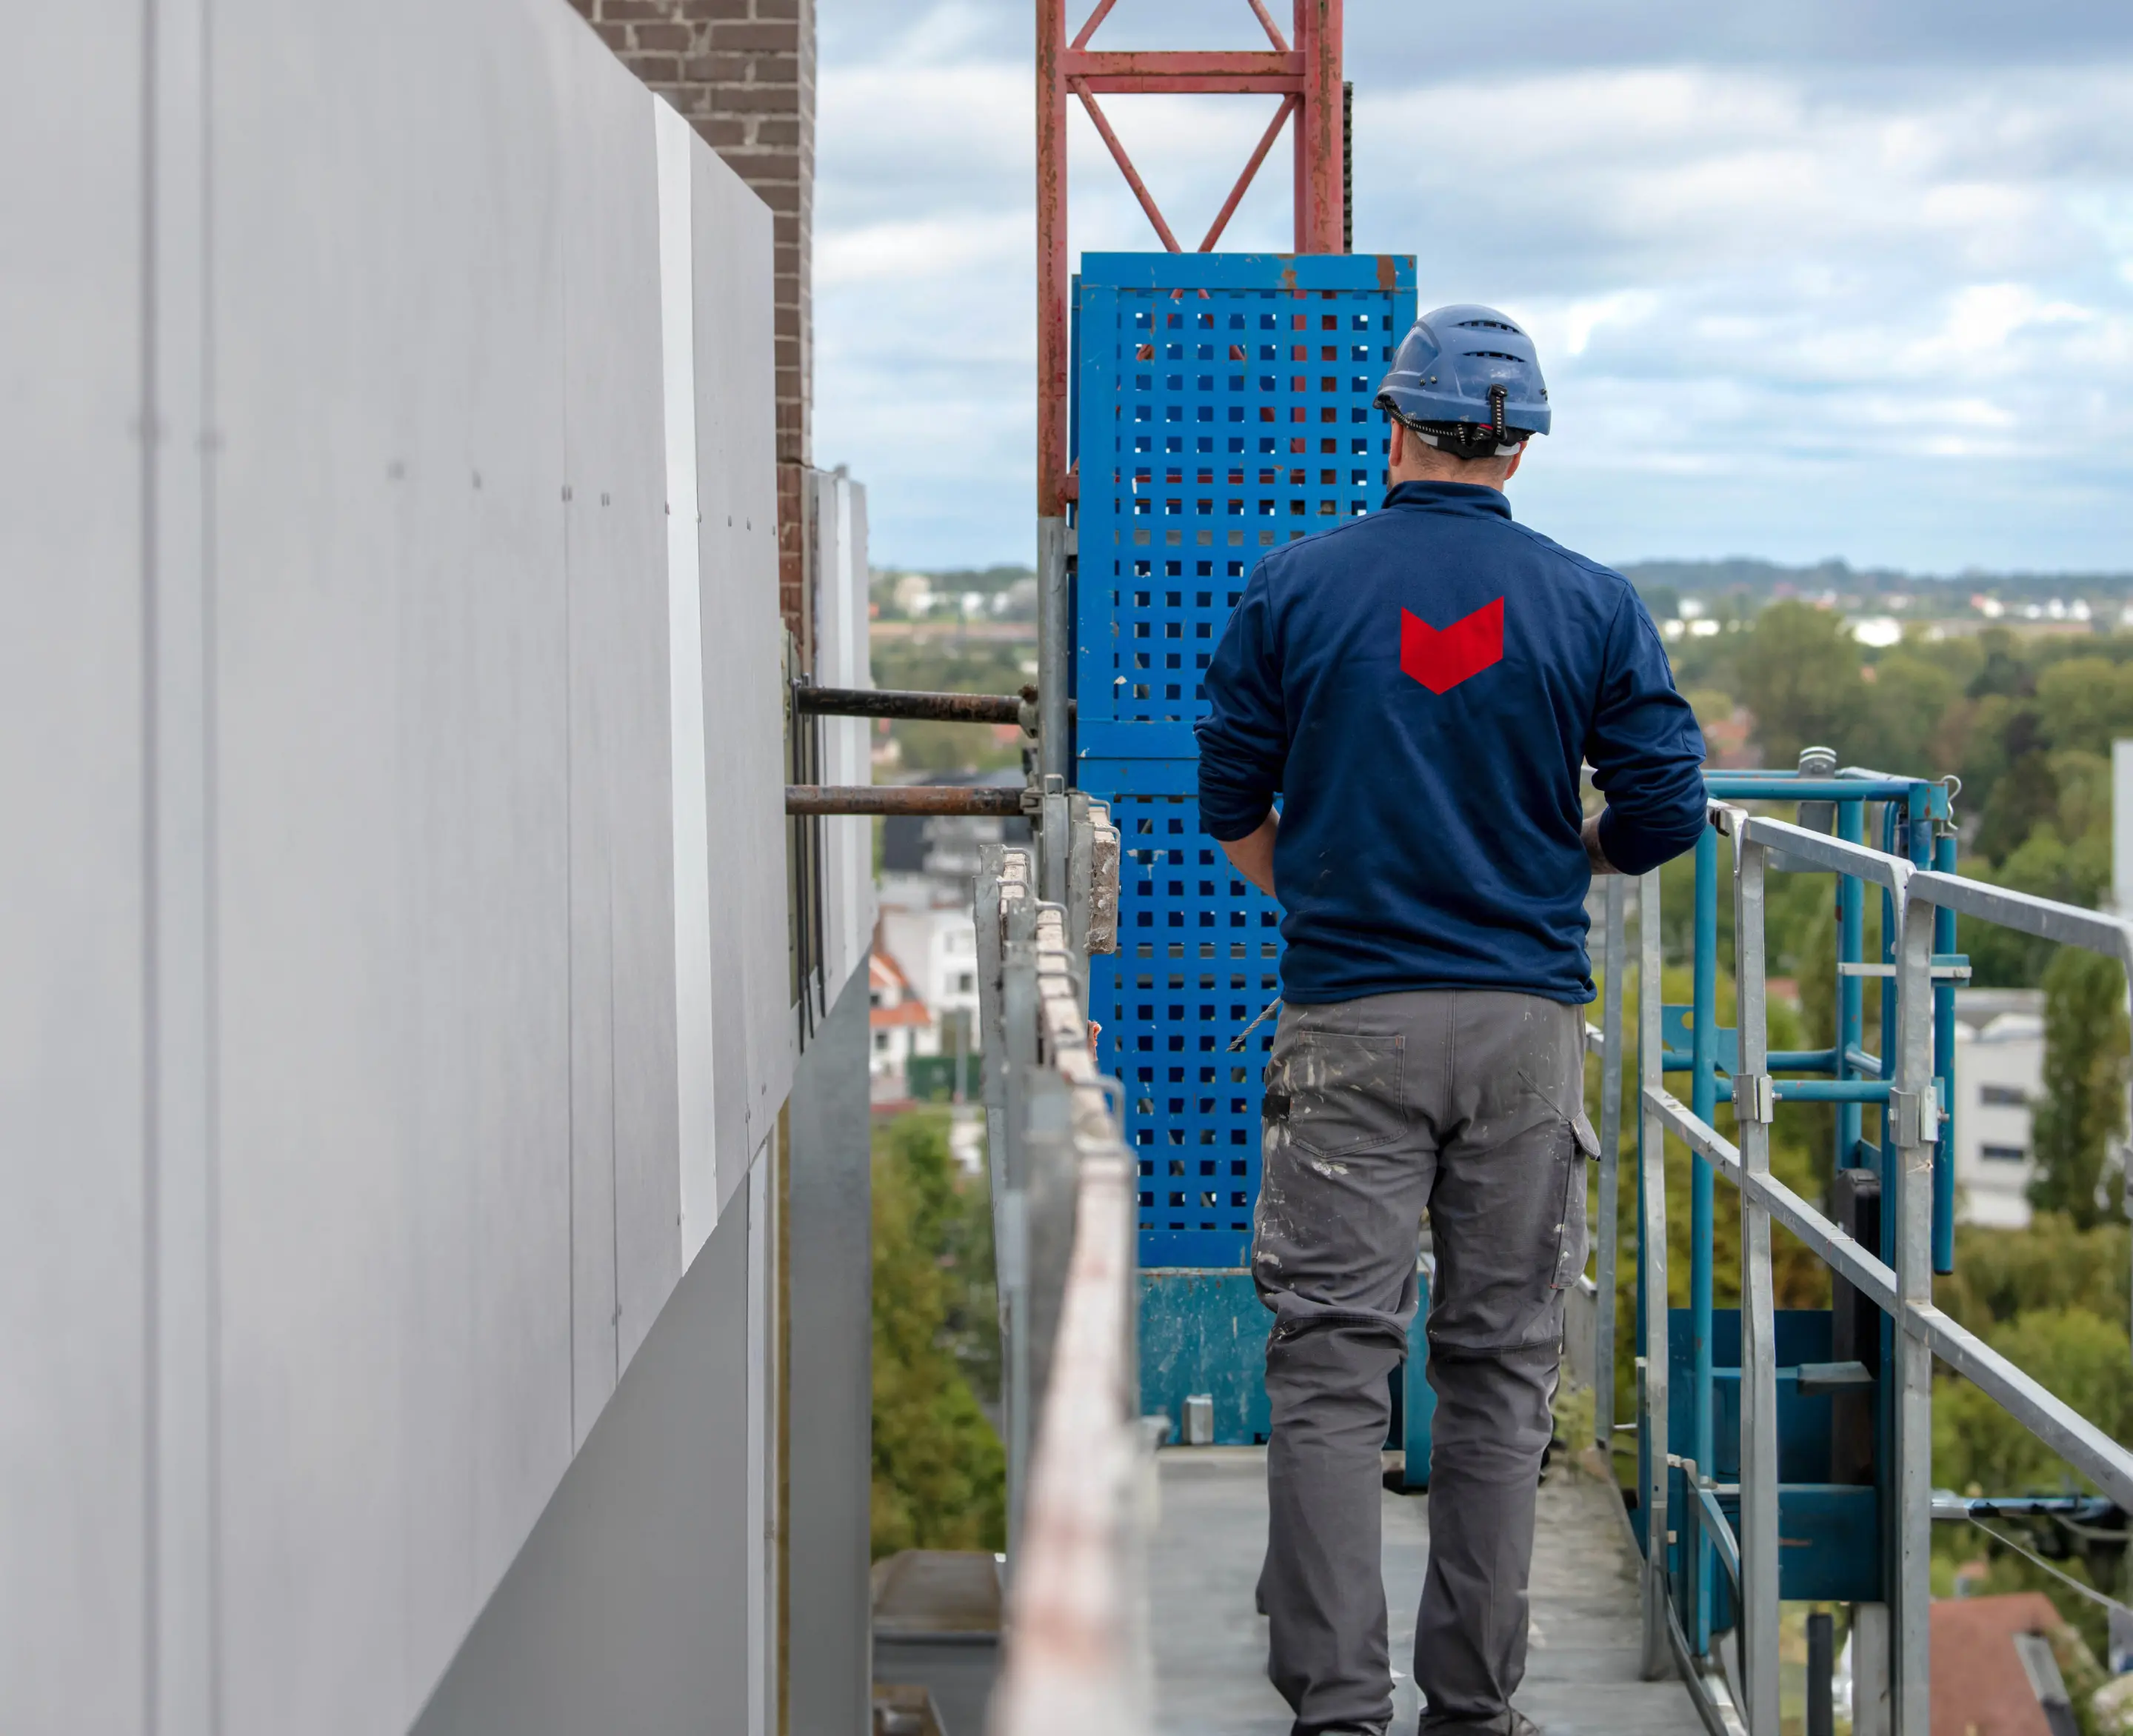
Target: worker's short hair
pixel 1469 442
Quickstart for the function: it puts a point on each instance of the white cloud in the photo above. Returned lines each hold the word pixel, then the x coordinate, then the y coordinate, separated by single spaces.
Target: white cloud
pixel 1785 310
pixel 920 247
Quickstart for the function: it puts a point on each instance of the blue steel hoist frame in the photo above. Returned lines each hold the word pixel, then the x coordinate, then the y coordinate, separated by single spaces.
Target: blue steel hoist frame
pixel 1787 1453
pixel 1221 409
pixel 1834 1427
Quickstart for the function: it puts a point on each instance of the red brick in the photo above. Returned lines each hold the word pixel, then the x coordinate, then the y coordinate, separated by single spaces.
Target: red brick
pixel 665 38
pixel 657 70
pixel 756 98
pixel 712 10
pixel 718 131
pixel 777 8
pixel 616 35
pixel 774 66
pixel 716 68
pixel 771 37
pixel 776 132
pixel 618 12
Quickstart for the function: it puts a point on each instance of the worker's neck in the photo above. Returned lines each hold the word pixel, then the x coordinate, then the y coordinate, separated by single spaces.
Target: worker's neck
pixel 1486 472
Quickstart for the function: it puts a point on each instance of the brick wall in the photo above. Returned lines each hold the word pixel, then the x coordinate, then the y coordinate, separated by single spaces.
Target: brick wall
pixel 743 72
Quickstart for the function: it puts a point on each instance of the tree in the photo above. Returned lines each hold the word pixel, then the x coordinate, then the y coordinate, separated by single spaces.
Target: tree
pixel 939 1471
pixel 2085 702
pixel 2051 1264
pixel 2085 1077
pixel 1800 677
pixel 1906 702
pixel 2076 1355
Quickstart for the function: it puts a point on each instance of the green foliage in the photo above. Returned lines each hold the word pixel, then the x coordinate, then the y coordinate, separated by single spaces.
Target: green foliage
pixel 2053 1264
pixel 1905 713
pixel 938 1470
pixel 939 663
pixel 1800 677
pixel 2083 1106
pixel 2052 1298
pixel 2077 1355
pixel 2085 702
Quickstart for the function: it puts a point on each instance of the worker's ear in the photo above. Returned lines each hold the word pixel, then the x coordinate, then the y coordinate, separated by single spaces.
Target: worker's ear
pixel 1398 449
pixel 1518 458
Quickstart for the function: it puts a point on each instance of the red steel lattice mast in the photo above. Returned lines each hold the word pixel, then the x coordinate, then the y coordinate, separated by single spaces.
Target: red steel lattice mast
pixel 1304 71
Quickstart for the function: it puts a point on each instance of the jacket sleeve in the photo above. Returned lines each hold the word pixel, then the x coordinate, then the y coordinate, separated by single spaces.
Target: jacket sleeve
pixel 1243 738
pixel 1644 749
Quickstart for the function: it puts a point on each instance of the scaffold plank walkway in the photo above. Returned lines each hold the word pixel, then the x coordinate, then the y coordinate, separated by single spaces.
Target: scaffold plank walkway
pixel 1209 1645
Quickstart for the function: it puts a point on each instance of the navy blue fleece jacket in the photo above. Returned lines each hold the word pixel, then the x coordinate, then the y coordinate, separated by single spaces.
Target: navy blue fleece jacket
pixel 1419 687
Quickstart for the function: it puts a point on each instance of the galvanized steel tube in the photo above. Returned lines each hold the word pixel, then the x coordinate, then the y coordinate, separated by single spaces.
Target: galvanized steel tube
pixel 1658 1659
pixel 1613 950
pixel 1703 1104
pixel 1758 1576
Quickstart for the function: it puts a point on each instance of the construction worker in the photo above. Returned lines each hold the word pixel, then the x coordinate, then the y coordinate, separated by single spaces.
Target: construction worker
pixel 1419 687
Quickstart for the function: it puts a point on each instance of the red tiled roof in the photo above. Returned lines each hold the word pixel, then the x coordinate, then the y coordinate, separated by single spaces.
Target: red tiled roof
pixel 904 1012
pixel 884 972
pixel 1979 1687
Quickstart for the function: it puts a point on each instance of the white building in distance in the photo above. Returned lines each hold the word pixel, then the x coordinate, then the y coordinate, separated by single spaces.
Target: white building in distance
pixel 1999 1075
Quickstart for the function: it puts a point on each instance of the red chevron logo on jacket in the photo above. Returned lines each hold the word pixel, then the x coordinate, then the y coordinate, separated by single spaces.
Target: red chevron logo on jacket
pixel 1441 658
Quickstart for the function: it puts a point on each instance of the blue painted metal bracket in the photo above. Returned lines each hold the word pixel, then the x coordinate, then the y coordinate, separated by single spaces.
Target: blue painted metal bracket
pixel 1418 1398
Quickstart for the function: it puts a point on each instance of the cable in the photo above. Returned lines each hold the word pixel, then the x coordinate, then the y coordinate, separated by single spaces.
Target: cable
pixel 2066 1578
pixel 1238 1043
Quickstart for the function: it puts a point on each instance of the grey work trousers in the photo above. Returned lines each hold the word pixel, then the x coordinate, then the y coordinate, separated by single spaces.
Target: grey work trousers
pixel 1467 1104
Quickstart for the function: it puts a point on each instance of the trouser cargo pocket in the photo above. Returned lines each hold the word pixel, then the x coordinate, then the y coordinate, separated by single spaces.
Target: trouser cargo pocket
pixel 1338 1092
pixel 1578 1143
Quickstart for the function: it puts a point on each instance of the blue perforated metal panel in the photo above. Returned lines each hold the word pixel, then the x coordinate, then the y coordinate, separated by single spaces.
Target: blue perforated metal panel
pixel 1199 956
pixel 1222 408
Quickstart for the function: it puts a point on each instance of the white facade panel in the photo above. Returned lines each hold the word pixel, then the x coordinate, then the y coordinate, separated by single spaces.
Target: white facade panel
pixel 842 660
pixel 706 1008
pixel 625 1173
pixel 394 834
pixel 347 968
pixel 737 502
pixel 74 895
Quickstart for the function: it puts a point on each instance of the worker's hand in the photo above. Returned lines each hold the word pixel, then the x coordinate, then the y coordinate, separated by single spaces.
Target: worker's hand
pixel 1593 853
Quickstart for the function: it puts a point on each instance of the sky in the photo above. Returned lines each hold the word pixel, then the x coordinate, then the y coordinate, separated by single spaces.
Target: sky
pixel 1847 278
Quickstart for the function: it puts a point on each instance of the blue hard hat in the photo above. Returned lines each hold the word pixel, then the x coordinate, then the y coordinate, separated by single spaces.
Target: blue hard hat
pixel 1463 373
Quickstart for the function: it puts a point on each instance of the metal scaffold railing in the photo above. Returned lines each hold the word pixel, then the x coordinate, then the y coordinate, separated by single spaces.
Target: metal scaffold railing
pixel 1804 1469
pixel 1063 1188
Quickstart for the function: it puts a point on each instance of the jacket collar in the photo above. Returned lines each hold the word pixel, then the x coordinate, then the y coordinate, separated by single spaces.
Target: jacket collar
pixel 1451 497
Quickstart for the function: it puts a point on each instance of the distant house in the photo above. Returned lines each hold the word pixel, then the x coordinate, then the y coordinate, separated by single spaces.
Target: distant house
pixel 935 949
pixel 1728 741
pixel 1994 1670
pixel 900 1025
pixel 1999 1073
